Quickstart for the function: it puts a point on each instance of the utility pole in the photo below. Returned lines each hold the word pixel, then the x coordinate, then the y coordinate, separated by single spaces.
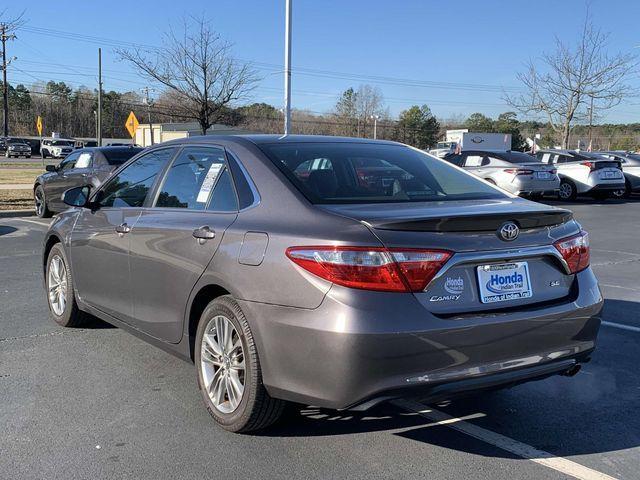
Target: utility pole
pixel 99 132
pixel 590 124
pixel 287 69
pixel 4 36
pixel 148 102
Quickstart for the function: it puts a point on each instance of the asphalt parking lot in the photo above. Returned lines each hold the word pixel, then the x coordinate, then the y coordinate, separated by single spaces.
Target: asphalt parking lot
pixel 99 403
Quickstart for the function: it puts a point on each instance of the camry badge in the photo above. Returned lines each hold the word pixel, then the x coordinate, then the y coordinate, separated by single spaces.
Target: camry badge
pixel 508 231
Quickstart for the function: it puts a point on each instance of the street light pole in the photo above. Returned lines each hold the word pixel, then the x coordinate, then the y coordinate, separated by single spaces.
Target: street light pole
pixel 590 123
pixel 287 69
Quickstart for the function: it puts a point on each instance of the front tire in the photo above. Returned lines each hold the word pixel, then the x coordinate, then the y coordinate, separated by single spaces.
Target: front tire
pixel 228 370
pixel 567 190
pixel 40 201
pixel 63 308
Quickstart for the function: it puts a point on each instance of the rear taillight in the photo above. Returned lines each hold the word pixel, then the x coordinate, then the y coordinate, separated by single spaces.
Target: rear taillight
pixel 591 165
pixel 519 171
pixel 371 268
pixel 575 251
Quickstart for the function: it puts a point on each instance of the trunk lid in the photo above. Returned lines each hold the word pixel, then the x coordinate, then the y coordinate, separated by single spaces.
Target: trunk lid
pixel 469 228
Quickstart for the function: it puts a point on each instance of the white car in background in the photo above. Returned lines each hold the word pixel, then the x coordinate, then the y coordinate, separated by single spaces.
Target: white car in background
pixel 56 147
pixel 584 173
pixel 516 172
pixel 631 170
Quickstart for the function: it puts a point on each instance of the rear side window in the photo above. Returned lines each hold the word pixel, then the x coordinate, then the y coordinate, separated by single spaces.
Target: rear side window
pixel 373 173
pixel 84 160
pixel 118 157
pixel 129 188
pixel 191 178
pixel 473 161
pixel 519 157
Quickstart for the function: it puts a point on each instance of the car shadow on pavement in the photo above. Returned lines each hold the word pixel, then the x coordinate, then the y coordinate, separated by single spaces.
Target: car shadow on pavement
pixel 5 230
pixel 94 323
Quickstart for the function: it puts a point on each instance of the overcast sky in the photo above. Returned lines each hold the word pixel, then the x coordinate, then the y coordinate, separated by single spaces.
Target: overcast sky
pixel 455 56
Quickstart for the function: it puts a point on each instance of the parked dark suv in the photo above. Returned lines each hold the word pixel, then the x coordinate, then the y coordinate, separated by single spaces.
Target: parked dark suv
pixel 86 166
pixel 333 272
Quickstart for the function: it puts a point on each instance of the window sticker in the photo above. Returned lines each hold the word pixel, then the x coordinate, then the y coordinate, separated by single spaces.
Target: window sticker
pixel 209 181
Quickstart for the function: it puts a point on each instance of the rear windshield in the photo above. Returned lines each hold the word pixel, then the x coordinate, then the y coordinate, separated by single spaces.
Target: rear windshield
pixel 373 173
pixel 519 157
pixel 118 157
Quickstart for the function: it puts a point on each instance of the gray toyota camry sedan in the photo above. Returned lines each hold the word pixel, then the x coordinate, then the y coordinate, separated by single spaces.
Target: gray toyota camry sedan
pixel 334 272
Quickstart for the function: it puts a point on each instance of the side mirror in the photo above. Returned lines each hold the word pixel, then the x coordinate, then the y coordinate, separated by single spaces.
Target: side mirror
pixel 77 197
pixel 50 168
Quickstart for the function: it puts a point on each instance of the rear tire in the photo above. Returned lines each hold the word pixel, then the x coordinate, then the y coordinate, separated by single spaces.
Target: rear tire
pixel 567 190
pixel 63 308
pixel 223 366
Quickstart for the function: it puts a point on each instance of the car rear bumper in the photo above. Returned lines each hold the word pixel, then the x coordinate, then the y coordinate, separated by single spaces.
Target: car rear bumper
pixel 358 348
pixel 607 187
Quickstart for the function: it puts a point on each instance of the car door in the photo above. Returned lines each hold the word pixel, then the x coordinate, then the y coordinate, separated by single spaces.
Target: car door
pixel 78 174
pixel 57 184
pixel 175 239
pixel 100 238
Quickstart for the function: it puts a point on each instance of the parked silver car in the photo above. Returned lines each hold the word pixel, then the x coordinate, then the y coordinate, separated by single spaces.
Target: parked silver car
pixel 87 166
pixel 335 272
pixel 583 173
pixel 630 168
pixel 516 172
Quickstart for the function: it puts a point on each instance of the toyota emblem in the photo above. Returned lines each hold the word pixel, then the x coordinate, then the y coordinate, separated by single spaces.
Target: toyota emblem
pixel 508 231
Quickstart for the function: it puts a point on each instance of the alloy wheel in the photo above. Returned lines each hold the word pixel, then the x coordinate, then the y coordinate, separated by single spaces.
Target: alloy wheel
pixel 222 364
pixel 39 200
pixel 57 285
pixel 566 191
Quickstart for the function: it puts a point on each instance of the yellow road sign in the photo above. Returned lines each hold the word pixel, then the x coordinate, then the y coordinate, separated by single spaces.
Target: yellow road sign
pixel 132 124
pixel 39 125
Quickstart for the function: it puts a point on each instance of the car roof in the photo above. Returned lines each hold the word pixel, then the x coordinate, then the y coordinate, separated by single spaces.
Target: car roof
pixel 274 139
pixel 109 149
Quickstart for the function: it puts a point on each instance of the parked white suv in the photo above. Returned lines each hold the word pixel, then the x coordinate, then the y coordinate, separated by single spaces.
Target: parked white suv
pixel 584 173
pixel 56 147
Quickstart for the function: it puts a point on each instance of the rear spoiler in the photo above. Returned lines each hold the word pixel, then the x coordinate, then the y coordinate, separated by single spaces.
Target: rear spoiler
pixel 477 223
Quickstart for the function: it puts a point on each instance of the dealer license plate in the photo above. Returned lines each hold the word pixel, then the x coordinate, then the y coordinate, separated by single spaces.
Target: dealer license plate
pixel 504 281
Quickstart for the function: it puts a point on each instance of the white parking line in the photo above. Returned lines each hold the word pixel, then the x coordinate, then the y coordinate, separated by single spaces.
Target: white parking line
pixel 622 326
pixel 523 450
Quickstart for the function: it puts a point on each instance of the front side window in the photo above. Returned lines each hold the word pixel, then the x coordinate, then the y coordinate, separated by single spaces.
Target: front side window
pixel 191 178
pixel 129 188
pixel 84 160
pixel 374 173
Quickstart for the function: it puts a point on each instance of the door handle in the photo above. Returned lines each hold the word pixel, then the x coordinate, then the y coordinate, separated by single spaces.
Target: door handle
pixel 123 228
pixel 204 233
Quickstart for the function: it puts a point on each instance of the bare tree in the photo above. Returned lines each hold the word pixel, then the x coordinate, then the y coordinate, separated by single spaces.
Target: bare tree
pixel 563 84
pixel 197 66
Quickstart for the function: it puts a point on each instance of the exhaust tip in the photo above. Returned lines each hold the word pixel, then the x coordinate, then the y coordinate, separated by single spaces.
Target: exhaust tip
pixel 571 371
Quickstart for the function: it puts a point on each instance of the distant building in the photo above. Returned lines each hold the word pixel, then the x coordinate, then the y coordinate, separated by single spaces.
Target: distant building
pixel 163 132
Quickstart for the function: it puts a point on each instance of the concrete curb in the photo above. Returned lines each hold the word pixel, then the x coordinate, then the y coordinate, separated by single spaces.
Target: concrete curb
pixel 17 213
